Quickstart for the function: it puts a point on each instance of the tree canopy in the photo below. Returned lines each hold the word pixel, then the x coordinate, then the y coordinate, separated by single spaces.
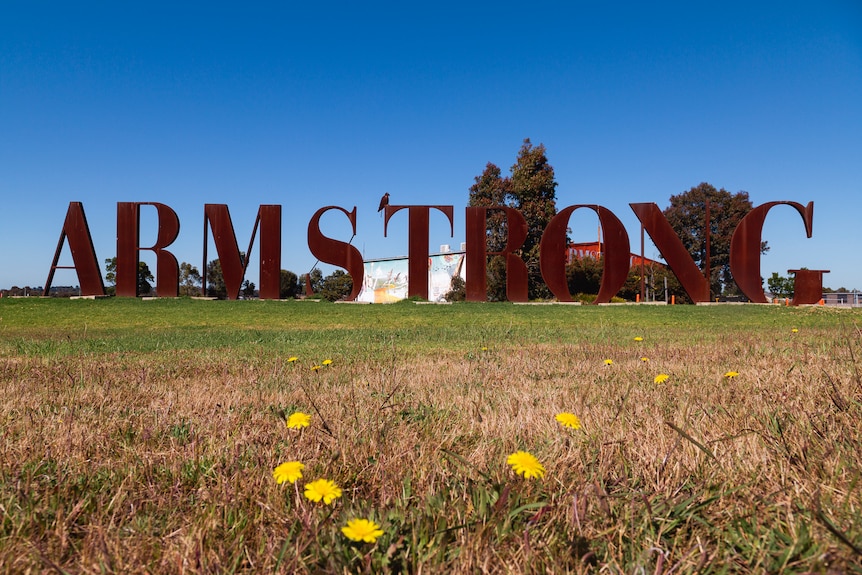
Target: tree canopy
pixel 289 286
pixel 190 280
pixel 531 189
pixel 215 280
pixel 336 286
pixel 780 286
pixel 145 276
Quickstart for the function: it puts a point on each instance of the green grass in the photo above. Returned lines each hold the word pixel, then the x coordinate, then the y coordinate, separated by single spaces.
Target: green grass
pixel 140 436
pixel 63 327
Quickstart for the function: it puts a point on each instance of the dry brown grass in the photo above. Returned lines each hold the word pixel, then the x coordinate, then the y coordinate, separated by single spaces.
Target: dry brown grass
pixel 161 462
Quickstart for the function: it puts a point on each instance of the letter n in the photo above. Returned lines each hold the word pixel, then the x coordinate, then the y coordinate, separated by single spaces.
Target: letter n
pixel 76 230
pixel 673 251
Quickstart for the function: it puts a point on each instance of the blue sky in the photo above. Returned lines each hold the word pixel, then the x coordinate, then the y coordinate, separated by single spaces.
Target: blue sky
pixel 335 103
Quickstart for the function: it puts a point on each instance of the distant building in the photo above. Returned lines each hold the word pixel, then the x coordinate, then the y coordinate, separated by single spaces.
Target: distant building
pixel 853 299
pixel 594 250
pixel 25 291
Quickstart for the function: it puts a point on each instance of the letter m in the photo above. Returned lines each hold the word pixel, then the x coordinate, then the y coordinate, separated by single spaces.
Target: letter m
pixel 233 265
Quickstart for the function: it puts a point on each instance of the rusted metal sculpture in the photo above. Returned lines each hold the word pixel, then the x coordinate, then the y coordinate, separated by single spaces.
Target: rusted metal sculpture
pixel 233 265
pixel 744 251
pixel 673 251
pixel 615 257
pixel 476 258
pixel 745 247
pixel 418 222
pixel 77 232
pixel 128 249
pixel 335 252
pixel 807 286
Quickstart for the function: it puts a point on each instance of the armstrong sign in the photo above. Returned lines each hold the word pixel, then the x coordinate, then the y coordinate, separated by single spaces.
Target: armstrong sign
pixel 744 250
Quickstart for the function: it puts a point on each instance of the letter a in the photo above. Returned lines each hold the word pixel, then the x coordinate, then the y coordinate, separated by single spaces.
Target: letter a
pixel 76 230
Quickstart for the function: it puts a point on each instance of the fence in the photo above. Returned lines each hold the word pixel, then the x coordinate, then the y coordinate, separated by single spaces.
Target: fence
pixel 843 298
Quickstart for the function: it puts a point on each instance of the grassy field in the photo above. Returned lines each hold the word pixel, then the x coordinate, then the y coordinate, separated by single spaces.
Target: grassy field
pixel 141 437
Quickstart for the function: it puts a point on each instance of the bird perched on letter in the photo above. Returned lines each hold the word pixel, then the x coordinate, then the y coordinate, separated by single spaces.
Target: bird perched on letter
pixel 384 201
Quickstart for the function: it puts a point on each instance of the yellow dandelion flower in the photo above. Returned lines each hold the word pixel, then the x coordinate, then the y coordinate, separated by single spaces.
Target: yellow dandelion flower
pixel 731 374
pixel 292 359
pixel 315 367
pixel 639 338
pixel 644 359
pixel 298 420
pixel 322 490
pixel 568 420
pixel 362 530
pixel 484 348
pixel 609 362
pixel 526 464
pixel 289 471
pixel 661 378
pixel 794 330
pixel 326 362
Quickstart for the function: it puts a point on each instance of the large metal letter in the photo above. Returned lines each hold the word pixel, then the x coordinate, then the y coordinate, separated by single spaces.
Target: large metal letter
pixel 269 219
pixel 745 249
pixel 335 252
pixel 128 249
pixel 76 230
pixel 417 240
pixel 615 254
pixel 807 286
pixel 476 259
pixel 673 251
pixel 233 266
